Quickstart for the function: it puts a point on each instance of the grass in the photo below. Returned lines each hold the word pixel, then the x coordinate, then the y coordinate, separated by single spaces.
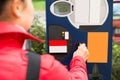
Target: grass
pixel 39 5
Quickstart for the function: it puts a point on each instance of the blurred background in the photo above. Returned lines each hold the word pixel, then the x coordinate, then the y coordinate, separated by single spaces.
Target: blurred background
pixel 38 27
pixel 116 41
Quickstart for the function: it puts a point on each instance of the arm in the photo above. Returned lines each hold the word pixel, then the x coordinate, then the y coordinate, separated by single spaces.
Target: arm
pixel 78 69
pixel 56 71
pixel 78 66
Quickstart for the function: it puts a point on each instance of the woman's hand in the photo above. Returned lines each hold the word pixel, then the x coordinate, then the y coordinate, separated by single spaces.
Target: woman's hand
pixel 82 51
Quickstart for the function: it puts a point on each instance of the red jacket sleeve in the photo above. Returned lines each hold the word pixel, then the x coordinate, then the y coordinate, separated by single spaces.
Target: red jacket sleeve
pixel 51 69
pixel 78 69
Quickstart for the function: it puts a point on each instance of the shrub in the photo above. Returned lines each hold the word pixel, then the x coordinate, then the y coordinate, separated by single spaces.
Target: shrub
pixel 116 61
pixel 38 30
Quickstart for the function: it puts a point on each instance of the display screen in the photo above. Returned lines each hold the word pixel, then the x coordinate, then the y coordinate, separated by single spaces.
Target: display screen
pixel 62 8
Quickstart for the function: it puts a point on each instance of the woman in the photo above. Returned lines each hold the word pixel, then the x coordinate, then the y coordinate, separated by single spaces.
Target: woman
pixel 15 19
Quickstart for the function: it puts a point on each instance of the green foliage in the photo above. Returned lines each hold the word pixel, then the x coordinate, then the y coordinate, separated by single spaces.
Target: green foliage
pixel 116 61
pixel 38 30
pixel 39 5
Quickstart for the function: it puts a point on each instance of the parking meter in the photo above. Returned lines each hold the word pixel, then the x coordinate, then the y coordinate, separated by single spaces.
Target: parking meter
pixel 70 22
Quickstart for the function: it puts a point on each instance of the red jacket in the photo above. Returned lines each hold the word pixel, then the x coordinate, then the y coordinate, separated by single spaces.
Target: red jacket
pixel 13 62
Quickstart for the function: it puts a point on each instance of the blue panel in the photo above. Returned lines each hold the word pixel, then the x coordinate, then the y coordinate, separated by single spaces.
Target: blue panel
pixel 81 36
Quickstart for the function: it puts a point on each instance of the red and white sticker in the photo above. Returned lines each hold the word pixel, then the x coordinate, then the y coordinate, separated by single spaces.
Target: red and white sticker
pixel 57 46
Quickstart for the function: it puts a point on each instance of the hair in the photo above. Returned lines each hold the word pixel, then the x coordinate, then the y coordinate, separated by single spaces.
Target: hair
pixel 3 4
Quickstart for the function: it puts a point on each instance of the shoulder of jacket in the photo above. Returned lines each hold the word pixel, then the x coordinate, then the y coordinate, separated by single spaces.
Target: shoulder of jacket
pixel 47 60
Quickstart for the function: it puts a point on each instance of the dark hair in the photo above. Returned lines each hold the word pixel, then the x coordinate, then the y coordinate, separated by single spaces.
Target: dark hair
pixel 3 4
